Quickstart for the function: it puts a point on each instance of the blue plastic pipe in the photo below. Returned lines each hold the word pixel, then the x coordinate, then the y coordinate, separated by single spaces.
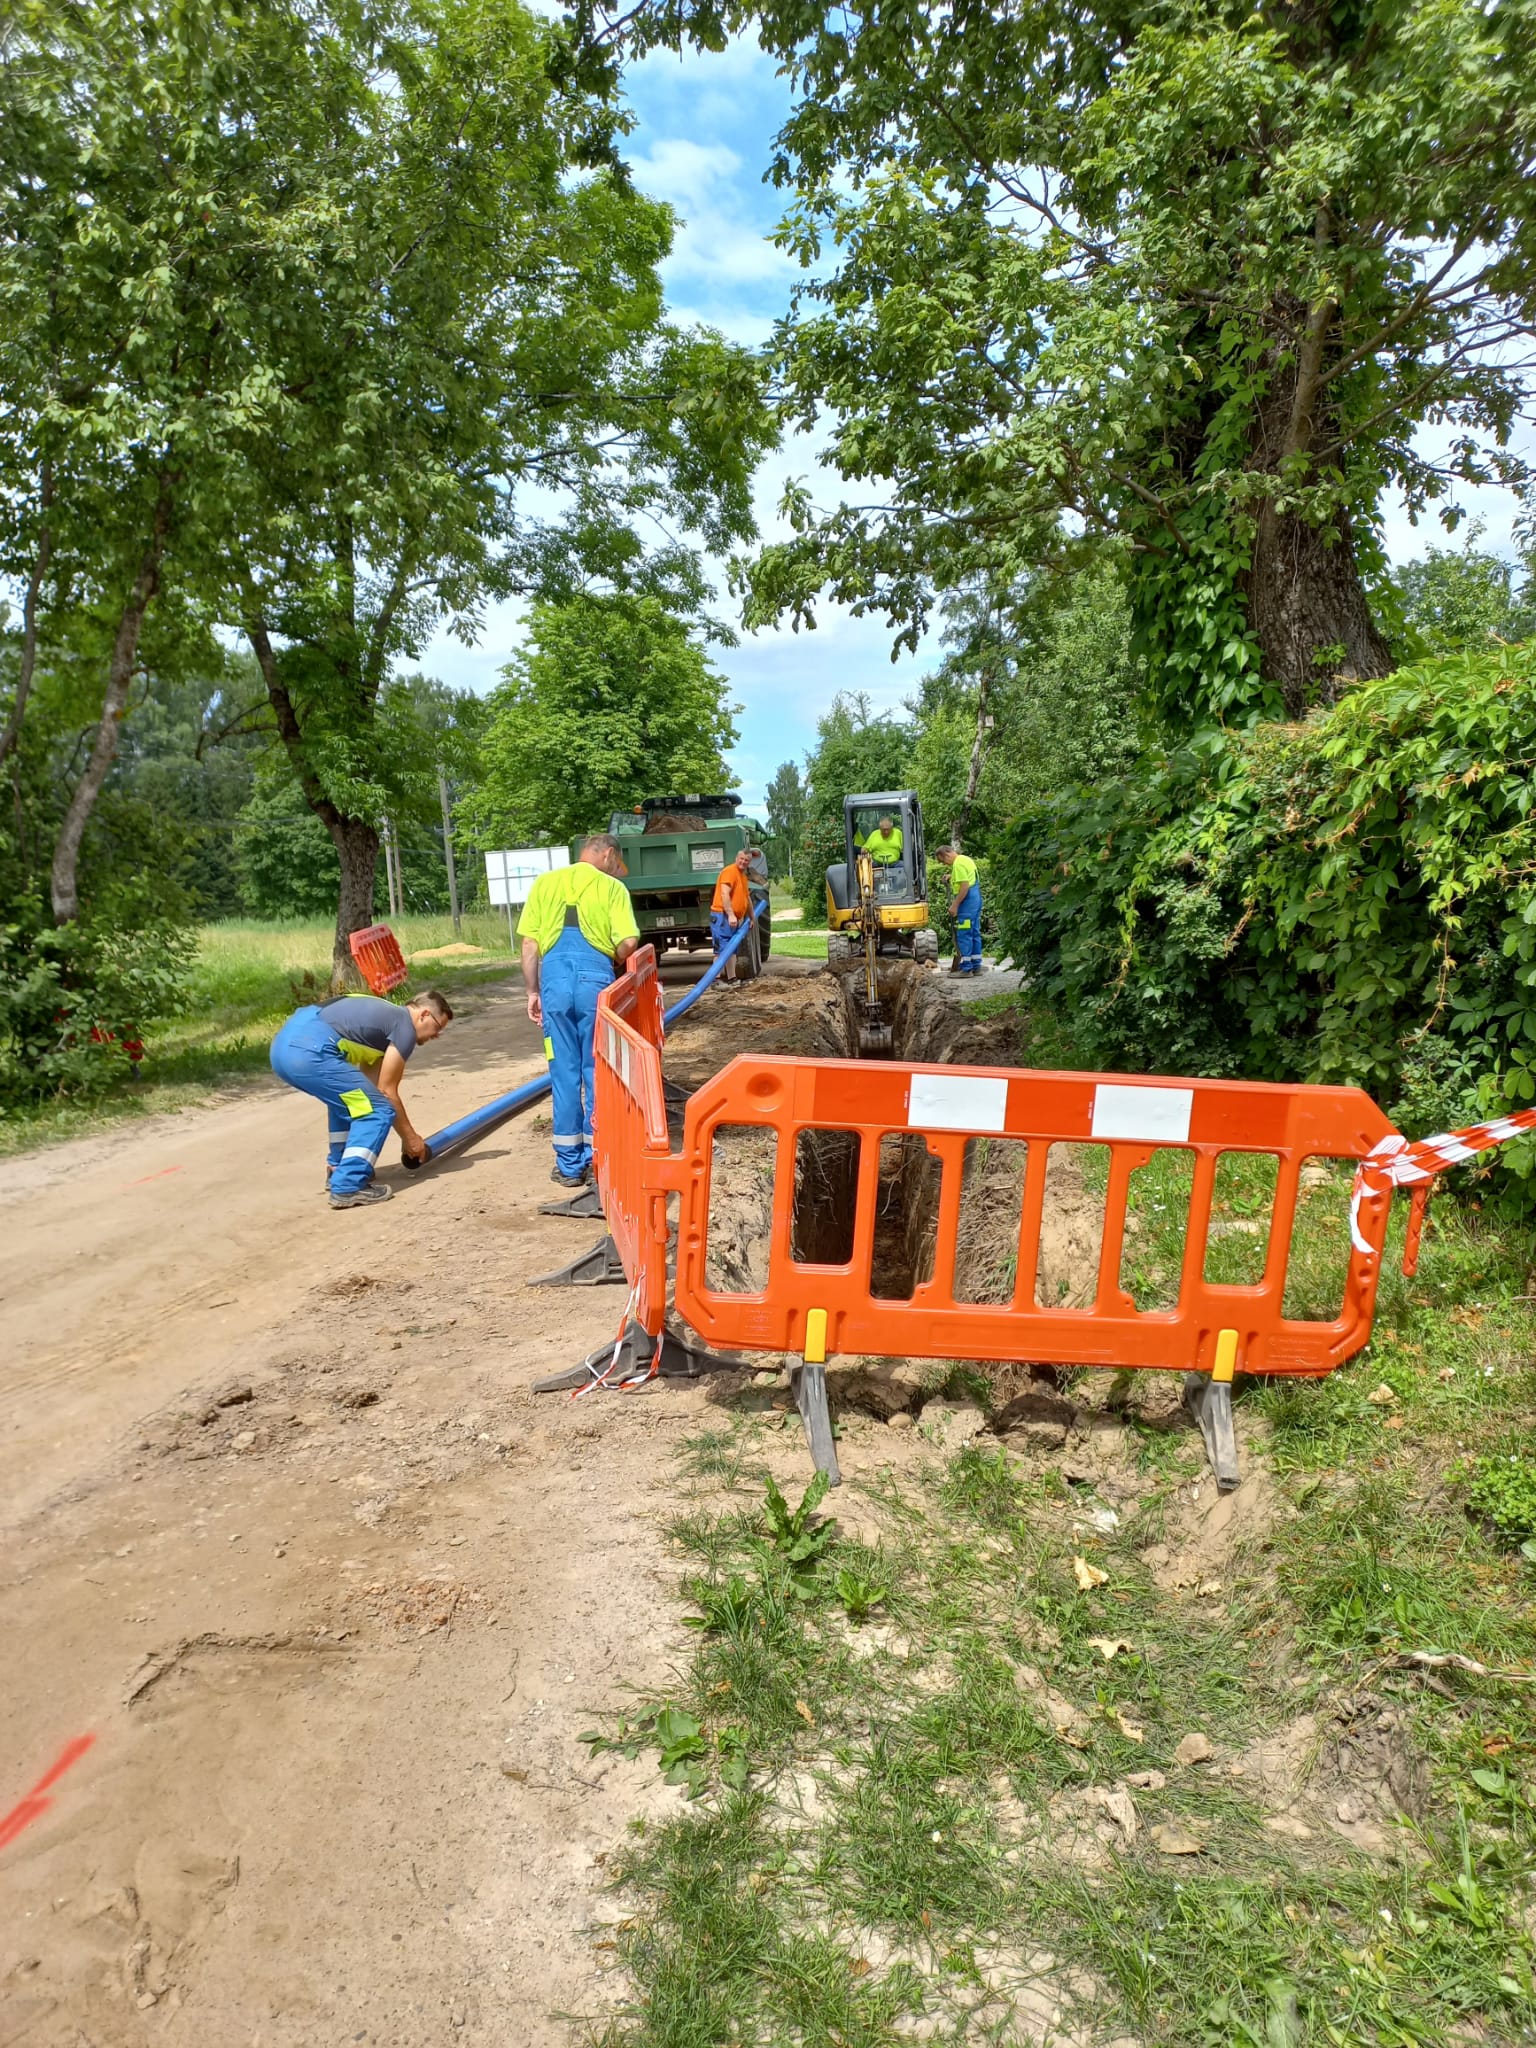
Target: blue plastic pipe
pixel 686 1002
pixel 480 1122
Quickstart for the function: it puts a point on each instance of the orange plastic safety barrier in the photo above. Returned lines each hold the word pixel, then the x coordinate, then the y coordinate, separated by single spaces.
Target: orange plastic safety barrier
pixel 379 960
pixel 821 1310
pixel 629 1126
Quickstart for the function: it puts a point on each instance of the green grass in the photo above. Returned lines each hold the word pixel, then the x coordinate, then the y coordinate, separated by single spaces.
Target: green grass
pixel 247 978
pixel 894 1840
pixel 793 944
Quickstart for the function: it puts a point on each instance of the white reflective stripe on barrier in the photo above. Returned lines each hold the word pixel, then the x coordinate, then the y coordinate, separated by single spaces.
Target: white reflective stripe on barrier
pixel 1160 1114
pixel 957 1102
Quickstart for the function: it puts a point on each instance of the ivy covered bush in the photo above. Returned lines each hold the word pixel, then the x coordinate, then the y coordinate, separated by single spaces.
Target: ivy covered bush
pixel 1349 898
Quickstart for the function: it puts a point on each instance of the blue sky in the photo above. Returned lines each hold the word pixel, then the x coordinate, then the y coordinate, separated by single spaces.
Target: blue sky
pixel 702 141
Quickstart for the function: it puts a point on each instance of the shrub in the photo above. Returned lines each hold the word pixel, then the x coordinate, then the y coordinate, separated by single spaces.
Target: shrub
pixel 76 1000
pixel 1351 898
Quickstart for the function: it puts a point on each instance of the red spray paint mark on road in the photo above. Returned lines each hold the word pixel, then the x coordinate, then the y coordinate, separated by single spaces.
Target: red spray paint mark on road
pixel 154 1176
pixel 37 1802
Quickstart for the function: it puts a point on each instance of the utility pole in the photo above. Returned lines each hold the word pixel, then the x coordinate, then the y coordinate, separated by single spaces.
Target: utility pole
pixel 392 868
pixel 453 880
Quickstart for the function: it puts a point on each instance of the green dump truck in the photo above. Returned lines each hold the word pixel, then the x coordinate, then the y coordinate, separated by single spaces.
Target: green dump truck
pixel 674 848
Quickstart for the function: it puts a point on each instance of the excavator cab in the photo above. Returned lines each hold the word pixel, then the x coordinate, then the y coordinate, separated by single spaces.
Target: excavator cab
pixel 877 899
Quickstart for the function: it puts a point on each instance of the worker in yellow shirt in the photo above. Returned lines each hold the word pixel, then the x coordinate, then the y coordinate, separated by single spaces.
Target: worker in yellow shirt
pixel 577 928
pixel 884 844
pixel 965 887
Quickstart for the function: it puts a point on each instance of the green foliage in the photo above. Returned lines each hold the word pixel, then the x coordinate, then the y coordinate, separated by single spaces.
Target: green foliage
pixel 786 817
pixel 284 856
pixel 611 700
pixel 301 304
pixel 77 1001
pixel 1348 899
pixel 800 1540
pixel 1160 277
pixel 860 1596
pixel 684 1751
pixel 1503 1493
pixel 1457 600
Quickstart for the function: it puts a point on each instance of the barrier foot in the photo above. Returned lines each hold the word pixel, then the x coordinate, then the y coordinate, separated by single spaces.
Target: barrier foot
pixel 600 1267
pixel 587 1203
pixel 1210 1403
pixel 809 1385
pixel 679 1360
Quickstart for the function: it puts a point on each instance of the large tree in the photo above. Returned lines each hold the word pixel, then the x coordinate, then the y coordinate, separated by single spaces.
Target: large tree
pixel 480 395
pixel 612 699
pixel 143 234
pixel 1192 275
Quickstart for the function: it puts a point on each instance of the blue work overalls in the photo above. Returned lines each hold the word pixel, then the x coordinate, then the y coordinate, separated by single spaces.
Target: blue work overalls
pixel 572 975
pixel 305 1055
pixel 968 930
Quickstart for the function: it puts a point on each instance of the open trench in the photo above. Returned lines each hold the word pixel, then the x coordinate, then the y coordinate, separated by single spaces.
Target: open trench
pixel 930 1027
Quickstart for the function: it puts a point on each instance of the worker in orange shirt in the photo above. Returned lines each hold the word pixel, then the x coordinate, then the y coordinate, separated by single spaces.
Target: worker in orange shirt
pixel 732 901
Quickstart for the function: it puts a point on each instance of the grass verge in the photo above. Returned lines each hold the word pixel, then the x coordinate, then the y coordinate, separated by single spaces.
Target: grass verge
pixel 248 977
pixel 939 1758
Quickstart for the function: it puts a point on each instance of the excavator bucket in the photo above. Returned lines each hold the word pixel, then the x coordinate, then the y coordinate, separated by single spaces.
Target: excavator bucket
pixel 876 1041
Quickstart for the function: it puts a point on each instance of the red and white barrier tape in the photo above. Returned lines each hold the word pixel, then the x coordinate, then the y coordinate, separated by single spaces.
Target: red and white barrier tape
pixel 1397 1163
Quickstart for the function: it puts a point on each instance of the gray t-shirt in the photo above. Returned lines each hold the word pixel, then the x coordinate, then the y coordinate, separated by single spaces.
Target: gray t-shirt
pixel 366 1026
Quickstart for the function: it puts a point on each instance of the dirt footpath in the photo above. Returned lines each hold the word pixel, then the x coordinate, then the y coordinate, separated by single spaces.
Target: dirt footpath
pixel 307 1599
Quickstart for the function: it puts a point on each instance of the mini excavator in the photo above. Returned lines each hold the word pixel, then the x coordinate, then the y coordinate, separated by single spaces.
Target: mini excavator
pixel 877 901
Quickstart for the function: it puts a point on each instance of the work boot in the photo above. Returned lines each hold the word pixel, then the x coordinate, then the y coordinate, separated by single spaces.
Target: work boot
pixel 362 1198
pixel 570 1180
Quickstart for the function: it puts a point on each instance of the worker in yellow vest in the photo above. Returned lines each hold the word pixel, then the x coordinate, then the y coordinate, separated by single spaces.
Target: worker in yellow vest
pixel 965 887
pixel 577 928
pixel 884 844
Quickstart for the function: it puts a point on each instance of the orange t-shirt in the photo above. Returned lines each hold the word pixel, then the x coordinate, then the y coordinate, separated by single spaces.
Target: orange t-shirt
pixel 731 892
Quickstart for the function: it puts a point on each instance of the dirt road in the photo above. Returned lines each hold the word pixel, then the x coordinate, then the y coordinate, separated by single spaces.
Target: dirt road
pixel 305 1592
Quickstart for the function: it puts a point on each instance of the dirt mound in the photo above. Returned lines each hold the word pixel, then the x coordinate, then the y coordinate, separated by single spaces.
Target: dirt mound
pixel 675 821
pixel 1351 1773
pixel 454 952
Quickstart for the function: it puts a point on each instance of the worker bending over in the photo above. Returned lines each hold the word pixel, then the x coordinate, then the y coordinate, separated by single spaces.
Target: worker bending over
pixel 731 902
pixel 350 1054
pixel 577 928
pixel 965 909
pixel 885 843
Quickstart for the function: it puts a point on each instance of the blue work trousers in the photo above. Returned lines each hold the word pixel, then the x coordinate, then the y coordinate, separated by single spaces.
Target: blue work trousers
pixel 572 976
pixel 358 1118
pixel 968 930
pixel 720 930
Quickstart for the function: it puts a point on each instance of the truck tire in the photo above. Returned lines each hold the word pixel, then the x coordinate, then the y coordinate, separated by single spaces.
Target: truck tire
pixel 749 960
pixel 925 948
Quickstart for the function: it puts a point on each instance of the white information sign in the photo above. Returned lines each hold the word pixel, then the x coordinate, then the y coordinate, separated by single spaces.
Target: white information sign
pixel 509 876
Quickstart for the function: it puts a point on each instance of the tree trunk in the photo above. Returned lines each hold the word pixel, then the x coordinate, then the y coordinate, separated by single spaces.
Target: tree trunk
pixel 357 851
pixel 355 840
pixel 978 757
pixel 453 877
pixel 64 881
pixel 40 561
pixel 1309 612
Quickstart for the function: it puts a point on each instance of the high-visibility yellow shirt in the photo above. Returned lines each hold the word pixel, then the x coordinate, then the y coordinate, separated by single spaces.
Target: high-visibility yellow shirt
pixel 962 874
pixel 884 848
pixel 602 905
